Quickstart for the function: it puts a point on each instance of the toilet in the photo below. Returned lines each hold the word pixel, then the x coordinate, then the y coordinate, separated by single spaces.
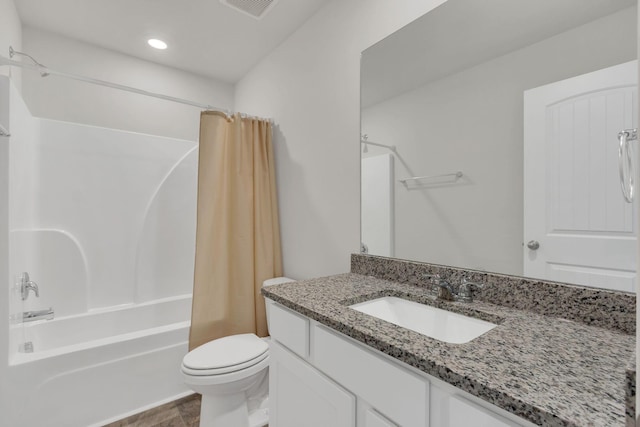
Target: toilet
pixel 232 375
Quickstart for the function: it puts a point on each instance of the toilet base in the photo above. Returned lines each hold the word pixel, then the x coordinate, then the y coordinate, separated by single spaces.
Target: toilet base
pixel 224 411
pixel 230 411
pixel 259 418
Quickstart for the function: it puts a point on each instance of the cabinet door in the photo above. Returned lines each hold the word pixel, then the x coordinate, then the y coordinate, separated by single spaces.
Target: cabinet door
pixel 374 419
pixel 398 394
pixel 300 396
pixel 463 413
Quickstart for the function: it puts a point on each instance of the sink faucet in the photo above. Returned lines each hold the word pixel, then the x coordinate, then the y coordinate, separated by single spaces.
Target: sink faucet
pixel 466 294
pixel 445 290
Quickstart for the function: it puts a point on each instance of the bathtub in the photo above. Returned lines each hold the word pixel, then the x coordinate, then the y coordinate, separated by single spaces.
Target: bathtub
pixel 95 368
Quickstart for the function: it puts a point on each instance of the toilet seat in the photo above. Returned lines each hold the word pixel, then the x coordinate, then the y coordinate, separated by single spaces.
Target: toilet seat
pixel 225 370
pixel 225 355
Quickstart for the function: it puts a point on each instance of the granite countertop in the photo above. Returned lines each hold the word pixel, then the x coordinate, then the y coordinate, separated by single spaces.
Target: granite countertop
pixel 550 371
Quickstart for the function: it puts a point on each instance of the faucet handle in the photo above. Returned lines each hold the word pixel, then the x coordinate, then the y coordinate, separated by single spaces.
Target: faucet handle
pixel 444 288
pixel 27 285
pixel 465 292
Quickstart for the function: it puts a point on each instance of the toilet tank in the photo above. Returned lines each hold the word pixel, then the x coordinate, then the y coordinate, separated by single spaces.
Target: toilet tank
pixel 270 282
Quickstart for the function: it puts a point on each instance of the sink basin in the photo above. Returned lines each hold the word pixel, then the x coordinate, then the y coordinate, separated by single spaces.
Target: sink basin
pixel 433 322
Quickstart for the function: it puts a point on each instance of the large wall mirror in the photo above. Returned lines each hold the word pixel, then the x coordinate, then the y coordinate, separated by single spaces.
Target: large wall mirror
pixel 490 139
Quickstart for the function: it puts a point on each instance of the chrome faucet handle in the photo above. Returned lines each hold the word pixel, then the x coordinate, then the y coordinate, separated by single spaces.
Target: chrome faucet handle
pixel 27 285
pixel 466 286
pixel 445 290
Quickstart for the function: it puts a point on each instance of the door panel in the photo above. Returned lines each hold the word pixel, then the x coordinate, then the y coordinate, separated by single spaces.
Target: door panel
pixel 573 203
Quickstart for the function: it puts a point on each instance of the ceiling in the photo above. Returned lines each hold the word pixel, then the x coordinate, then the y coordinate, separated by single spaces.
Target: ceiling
pixel 462 33
pixel 204 36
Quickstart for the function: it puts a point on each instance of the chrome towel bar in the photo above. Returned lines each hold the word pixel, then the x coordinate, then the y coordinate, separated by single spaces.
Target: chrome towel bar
pixel 455 176
pixel 625 162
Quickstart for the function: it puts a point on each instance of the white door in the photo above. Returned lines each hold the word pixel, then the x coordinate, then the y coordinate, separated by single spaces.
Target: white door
pixel 377 205
pixel 573 205
pixel 300 396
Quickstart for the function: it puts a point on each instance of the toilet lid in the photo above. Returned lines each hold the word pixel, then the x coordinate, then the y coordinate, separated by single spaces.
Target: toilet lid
pixel 226 352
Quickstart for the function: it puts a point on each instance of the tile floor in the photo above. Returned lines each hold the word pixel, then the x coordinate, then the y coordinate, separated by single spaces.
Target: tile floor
pixel 184 412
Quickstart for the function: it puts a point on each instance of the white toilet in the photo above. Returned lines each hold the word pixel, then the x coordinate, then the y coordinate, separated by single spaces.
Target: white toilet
pixel 232 374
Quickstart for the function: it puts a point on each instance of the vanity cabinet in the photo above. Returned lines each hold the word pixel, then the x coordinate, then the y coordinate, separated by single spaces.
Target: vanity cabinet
pixel 319 377
pixel 305 397
pixel 465 413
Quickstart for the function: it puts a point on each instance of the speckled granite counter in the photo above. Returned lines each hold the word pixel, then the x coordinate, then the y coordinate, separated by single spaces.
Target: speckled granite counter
pixel 550 371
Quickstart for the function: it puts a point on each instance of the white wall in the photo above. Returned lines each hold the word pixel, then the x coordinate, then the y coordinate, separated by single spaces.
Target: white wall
pixel 69 100
pixel 473 121
pixel 310 86
pixel 10 35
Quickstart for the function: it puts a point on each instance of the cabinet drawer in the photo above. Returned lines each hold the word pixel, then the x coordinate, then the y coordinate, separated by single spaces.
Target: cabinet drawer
pixel 463 413
pixel 396 393
pixel 289 329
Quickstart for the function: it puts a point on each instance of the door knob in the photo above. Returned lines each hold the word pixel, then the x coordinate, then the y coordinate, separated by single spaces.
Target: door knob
pixel 533 245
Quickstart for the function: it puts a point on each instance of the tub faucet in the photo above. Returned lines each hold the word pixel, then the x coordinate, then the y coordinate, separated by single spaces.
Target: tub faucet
pixel 27 285
pixel 445 290
pixel 32 316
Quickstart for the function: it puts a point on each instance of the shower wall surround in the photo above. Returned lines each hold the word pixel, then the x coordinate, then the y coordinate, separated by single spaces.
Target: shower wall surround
pixel 104 221
pixel 100 217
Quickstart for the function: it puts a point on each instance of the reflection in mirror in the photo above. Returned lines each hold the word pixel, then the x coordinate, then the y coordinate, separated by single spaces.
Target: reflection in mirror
pixel 490 139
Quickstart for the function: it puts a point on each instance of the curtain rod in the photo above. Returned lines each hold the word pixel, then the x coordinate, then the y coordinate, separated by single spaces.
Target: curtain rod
pixel 45 71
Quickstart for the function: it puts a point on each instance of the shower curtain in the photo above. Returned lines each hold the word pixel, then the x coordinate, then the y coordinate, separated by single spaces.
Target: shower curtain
pixel 238 236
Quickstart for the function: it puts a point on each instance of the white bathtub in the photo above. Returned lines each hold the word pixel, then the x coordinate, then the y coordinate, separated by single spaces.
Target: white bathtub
pixel 94 368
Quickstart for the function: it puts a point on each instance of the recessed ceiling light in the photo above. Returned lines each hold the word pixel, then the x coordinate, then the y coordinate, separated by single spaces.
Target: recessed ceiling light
pixel 158 44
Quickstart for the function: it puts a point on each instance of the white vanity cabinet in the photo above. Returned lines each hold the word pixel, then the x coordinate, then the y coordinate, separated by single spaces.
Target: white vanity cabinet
pixel 321 378
pixel 305 397
pixel 465 413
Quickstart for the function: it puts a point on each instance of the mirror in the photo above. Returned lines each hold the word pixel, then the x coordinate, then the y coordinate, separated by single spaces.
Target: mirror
pixel 490 139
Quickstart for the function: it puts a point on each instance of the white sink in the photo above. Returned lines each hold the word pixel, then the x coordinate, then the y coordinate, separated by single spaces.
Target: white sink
pixel 433 322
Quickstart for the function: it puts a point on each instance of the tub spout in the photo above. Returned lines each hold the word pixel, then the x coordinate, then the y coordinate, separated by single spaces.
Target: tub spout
pixel 32 316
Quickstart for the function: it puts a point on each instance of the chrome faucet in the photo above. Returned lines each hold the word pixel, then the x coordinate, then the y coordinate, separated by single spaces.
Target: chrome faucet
pixel 27 285
pixel 466 294
pixel 445 290
pixel 32 316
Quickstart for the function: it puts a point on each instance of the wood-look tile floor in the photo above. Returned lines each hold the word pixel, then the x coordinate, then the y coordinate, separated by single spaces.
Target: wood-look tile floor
pixel 184 412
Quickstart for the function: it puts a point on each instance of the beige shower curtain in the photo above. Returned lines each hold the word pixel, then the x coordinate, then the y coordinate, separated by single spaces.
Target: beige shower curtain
pixel 238 236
